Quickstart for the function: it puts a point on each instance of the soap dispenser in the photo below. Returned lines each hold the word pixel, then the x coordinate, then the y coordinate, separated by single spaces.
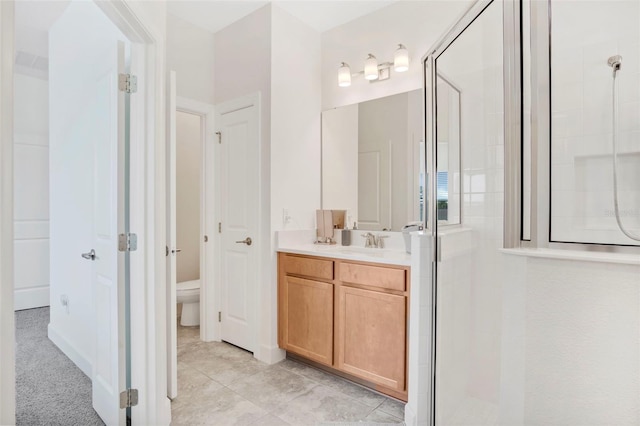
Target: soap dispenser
pixel 346 236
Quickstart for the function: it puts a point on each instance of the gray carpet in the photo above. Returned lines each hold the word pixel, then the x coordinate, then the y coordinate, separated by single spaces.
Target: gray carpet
pixel 50 389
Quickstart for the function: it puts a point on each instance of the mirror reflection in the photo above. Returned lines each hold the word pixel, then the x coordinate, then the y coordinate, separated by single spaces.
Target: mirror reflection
pixel 373 161
pixel 448 151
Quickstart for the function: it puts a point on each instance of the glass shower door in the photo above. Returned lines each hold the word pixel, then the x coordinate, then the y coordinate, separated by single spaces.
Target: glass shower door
pixel 468 335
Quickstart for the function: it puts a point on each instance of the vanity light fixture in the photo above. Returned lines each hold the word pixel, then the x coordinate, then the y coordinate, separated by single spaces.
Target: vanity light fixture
pixel 371 68
pixel 401 59
pixel 374 71
pixel 344 75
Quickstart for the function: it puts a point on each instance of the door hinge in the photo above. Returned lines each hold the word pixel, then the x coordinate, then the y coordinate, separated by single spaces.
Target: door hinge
pixel 127 242
pixel 219 316
pixel 219 227
pixel 206 238
pixel 219 134
pixel 128 398
pixel 128 83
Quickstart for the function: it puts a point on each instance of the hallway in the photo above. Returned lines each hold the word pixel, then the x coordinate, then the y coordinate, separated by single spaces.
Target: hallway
pixel 50 389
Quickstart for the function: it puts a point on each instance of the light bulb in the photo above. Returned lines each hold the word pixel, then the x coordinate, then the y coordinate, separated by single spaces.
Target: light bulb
pixel 371 68
pixel 401 59
pixel 344 75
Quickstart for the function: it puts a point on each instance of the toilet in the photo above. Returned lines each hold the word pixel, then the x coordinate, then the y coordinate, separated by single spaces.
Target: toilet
pixel 188 293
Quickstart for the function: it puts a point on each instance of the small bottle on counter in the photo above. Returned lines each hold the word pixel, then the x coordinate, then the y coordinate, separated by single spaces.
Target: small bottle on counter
pixel 346 237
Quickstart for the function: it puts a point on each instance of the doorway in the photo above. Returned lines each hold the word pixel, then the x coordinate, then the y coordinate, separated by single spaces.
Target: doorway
pixel 190 216
pixel 71 141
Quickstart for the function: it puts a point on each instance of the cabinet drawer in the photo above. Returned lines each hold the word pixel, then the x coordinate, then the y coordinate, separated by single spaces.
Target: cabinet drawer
pixel 374 276
pixel 316 268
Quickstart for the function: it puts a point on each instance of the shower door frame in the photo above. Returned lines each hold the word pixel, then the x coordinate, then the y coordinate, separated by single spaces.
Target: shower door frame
pixel 512 66
pixel 541 139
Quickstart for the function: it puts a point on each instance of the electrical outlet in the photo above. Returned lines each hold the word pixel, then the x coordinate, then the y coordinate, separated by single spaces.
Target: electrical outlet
pixel 285 216
pixel 64 300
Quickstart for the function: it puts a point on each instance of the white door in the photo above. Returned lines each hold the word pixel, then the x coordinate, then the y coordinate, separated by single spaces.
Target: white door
pixel 172 315
pixel 109 369
pixel 239 207
pixel 87 208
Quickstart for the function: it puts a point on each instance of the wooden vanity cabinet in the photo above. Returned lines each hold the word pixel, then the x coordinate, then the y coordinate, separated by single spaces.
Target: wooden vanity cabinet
pixel 346 315
pixel 305 307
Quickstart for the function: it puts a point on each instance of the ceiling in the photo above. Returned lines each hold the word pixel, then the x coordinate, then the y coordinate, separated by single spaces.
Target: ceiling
pixel 35 18
pixel 321 15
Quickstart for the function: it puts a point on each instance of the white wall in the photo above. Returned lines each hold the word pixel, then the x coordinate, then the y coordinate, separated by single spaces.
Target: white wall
pixel 31 195
pixel 295 138
pixel 295 121
pixel 242 67
pixel 416 24
pixel 190 53
pixel 188 175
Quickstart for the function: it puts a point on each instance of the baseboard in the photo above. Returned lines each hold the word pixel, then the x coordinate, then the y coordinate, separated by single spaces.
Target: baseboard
pixel 81 361
pixel 270 354
pixel 29 298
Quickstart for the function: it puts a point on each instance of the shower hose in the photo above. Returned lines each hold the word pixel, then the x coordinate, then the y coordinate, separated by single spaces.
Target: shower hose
pixel 625 231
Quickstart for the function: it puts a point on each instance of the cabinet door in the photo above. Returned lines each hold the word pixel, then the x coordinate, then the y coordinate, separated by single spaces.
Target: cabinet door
pixel 372 336
pixel 308 318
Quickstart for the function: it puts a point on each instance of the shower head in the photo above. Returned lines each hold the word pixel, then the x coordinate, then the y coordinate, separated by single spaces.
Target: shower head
pixel 615 62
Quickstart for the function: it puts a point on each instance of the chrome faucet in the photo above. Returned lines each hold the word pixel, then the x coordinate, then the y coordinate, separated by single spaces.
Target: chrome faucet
pixel 370 241
pixel 374 241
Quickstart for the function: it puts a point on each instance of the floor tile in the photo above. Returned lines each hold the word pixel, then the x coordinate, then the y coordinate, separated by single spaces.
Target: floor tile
pixel 272 386
pixel 363 395
pixel 393 407
pixel 191 380
pixel 223 407
pixel 322 404
pixel 188 335
pixel 377 416
pixel 271 420
pixel 227 371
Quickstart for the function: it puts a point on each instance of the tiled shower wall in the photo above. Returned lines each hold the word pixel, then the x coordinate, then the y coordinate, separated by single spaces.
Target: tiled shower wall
pixel 584 35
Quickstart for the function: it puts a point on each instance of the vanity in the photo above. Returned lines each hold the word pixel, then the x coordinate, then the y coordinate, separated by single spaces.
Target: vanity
pixel 345 310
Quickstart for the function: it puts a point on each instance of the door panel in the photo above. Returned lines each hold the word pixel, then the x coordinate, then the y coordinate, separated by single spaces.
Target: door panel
pixel 308 329
pixel 469 290
pixel 372 334
pixel 109 374
pixel 172 315
pixel 238 165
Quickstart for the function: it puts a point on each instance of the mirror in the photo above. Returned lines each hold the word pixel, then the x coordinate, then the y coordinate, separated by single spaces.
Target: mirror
pixel 373 161
pixel 448 151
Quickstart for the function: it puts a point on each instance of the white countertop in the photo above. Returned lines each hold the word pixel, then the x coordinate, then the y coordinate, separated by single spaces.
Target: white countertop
pixel 299 243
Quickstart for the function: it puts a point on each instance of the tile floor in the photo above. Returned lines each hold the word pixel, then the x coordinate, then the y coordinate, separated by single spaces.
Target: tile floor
pixel 219 384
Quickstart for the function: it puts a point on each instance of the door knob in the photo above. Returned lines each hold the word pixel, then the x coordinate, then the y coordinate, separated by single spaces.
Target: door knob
pixel 177 250
pixel 246 241
pixel 90 256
